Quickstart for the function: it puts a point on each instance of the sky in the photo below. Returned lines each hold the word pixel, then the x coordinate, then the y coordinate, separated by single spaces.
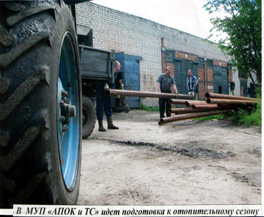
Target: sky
pixel 185 15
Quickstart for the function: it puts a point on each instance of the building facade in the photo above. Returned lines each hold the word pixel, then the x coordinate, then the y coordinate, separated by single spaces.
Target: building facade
pixel 154 46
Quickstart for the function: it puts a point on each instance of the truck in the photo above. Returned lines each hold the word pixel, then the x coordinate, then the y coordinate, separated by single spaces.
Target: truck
pixel 45 77
pixel 97 66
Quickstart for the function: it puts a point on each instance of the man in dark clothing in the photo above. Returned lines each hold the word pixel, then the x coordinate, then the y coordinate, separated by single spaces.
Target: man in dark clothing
pixel 165 83
pixel 103 104
pixel 122 102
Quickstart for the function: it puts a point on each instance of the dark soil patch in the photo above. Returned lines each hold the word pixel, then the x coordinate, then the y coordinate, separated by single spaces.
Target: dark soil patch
pixel 190 149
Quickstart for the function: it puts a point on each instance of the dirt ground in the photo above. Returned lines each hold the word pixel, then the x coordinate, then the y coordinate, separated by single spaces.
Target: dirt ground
pixel 182 163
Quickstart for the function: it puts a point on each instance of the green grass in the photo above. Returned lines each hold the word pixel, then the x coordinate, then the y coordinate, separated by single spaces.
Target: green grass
pixel 248 119
pixel 242 117
pixel 148 108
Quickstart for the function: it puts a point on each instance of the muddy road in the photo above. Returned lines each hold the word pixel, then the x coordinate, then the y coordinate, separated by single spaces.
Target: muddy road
pixel 182 163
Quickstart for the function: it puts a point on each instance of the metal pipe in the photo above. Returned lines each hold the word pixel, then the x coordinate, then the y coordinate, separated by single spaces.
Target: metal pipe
pixel 230 101
pixel 207 106
pixel 177 101
pixel 189 110
pixel 200 108
pixel 223 96
pixel 190 116
pixel 193 102
pixel 132 93
pixel 217 106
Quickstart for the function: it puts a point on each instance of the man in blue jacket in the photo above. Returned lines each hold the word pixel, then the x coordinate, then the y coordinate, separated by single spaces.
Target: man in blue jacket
pixel 192 84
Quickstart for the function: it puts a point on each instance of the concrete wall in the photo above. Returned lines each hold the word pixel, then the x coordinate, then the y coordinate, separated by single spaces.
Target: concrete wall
pixel 237 82
pixel 133 35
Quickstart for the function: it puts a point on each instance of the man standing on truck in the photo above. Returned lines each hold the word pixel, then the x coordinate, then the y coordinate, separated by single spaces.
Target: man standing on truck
pixel 165 84
pixel 103 104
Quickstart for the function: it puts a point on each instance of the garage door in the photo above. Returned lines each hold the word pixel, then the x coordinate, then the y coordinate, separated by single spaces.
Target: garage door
pixel 181 73
pixel 220 80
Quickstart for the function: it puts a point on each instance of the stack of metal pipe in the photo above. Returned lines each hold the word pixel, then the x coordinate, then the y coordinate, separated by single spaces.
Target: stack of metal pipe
pixel 133 93
pixel 213 105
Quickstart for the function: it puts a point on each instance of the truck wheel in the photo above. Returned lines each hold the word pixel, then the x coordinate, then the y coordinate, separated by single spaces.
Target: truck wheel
pixel 88 117
pixel 40 104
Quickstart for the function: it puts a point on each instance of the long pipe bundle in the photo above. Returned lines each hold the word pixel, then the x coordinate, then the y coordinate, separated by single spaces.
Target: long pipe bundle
pixel 205 106
pixel 132 93
pixel 231 101
pixel 220 102
pixel 177 101
pixel 216 104
pixel 190 103
pixel 188 110
pixel 190 116
pixel 223 96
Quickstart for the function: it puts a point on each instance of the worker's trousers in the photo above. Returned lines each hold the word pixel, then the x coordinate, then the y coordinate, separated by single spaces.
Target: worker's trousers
pixel 164 103
pixel 103 103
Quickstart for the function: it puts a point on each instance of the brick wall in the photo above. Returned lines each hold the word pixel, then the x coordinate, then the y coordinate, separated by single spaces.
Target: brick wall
pixel 210 88
pixel 133 35
pixel 230 76
pixel 220 63
pixel 201 74
pixel 201 78
pixel 186 56
pixel 210 75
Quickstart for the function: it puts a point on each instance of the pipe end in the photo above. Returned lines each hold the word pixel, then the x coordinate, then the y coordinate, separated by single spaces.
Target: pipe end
pixel 208 100
pixel 207 95
pixel 161 122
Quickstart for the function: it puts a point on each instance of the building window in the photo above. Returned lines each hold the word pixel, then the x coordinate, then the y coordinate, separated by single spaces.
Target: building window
pixel 200 62
pixel 169 56
pixel 210 64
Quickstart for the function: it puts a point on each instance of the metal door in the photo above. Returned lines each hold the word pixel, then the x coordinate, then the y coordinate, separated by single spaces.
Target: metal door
pixel 130 75
pixel 181 73
pixel 243 88
pixel 221 80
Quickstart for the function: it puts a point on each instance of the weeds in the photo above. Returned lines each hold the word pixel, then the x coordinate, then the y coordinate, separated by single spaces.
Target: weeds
pixel 248 118
pixel 149 108
pixel 243 117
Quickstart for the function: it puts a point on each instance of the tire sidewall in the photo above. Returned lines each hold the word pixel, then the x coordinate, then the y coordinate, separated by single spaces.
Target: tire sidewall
pixel 64 25
pixel 88 127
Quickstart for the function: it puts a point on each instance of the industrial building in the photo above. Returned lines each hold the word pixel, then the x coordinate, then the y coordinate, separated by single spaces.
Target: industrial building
pixel 144 48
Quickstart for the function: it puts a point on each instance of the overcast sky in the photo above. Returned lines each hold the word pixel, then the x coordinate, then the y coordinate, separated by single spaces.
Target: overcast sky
pixel 185 15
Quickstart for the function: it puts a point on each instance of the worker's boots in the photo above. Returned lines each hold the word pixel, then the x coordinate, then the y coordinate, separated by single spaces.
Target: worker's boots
pixel 110 123
pixel 101 127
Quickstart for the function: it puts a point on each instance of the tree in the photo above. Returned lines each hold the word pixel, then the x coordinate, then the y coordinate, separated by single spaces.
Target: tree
pixel 242 25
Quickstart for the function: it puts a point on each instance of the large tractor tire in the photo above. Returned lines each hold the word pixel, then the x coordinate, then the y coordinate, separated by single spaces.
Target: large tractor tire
pixel 89 118
pixel 40 104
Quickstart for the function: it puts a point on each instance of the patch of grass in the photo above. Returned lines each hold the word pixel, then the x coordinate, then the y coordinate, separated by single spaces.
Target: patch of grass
pixel 248 118
pixel 149 108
